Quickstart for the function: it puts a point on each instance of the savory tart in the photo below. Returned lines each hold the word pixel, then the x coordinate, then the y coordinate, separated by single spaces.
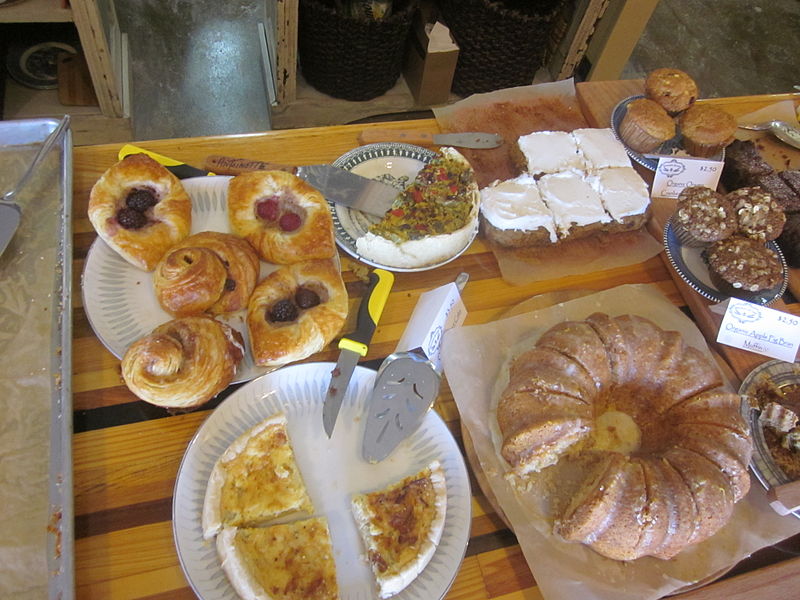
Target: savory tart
pixel 291 561
pixel 431 220
pixel 255 480
pixel 401 525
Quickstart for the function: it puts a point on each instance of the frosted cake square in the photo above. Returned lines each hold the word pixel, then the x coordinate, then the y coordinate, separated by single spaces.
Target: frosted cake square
pixel 513 214
pixel 576 206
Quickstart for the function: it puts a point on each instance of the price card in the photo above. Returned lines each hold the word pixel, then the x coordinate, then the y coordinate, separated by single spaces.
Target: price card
pixel 674 173
pixel 760 329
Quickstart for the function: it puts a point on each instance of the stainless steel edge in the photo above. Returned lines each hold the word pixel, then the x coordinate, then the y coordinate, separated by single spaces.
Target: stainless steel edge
pixel 340 381
pixel 468 140
pixel 349 189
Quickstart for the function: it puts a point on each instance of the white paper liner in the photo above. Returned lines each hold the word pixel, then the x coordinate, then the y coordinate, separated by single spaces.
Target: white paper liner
pixel 475 362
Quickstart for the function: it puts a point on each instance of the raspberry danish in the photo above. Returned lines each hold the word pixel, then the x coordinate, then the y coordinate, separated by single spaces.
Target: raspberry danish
pixel 140 210
pixel 283 217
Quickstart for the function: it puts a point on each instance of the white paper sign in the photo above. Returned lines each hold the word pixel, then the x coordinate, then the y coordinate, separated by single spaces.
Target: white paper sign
pixel 436 311
pixel 674 173
pixel 760 329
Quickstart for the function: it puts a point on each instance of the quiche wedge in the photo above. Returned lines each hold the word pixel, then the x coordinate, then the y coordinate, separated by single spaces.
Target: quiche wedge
pixel 431 220
pixel 255 480
pixel 401 526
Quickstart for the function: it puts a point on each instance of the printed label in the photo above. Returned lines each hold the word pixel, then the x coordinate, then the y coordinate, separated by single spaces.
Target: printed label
pixel 674 173
pixel 760 329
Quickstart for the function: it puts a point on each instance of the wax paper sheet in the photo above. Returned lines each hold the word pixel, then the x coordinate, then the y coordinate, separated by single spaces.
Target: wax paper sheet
pixel 475 363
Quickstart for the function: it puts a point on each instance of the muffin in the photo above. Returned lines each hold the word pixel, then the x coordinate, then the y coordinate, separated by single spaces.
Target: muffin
pixel 646 125
pixel 789 240
pixel 758 215
pixel 703 216
pixel 741 267
pixel 672 89
pixel 706 130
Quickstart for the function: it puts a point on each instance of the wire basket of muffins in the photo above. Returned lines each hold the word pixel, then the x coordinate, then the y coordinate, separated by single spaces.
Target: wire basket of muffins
pixel 734 235
pixel 667 121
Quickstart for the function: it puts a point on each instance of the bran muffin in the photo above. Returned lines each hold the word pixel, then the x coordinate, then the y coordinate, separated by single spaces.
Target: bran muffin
pixel 673 89
pixel 758 214
pixel 706 130
pixel 741 267
pixel 789 240
pixel 646 125
pixel 703 216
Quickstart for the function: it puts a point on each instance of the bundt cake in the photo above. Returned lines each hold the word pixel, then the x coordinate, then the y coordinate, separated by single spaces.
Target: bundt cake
pixel 662 446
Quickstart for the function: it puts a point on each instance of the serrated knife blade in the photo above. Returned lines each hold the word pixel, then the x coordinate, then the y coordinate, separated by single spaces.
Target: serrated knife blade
pixel 356 345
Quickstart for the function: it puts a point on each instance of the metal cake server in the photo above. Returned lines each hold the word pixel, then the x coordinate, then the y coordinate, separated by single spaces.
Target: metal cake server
pixel 780 129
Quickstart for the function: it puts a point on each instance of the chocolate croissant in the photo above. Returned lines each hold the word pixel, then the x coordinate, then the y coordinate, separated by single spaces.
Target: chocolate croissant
pixel 140 210
pixel 183 363
pixel 207 272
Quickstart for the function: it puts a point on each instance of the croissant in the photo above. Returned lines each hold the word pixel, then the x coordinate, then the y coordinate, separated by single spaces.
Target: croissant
pixel 183 363
pixel 296 311
pixel 140 210
pixel 283 217
pixel 207 272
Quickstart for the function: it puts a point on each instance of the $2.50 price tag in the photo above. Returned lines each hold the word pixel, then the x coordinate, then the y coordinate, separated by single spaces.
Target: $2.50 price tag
pixel 760 329
pixel 673 174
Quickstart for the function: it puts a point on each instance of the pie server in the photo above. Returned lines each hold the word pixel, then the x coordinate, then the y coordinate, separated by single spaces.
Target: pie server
pixel 467 139
pixel 406 386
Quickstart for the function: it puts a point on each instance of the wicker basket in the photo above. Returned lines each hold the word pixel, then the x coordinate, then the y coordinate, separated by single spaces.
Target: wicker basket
pixel 349 58
pixel 501 44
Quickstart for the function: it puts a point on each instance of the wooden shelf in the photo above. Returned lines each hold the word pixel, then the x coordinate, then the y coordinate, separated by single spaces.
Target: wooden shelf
pixel 35 11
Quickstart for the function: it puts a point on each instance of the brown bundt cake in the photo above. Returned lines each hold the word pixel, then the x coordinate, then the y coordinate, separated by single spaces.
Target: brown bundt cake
pixel 664 447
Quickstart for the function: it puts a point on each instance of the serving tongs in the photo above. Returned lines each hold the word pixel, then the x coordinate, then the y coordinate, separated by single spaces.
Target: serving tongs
pixel 10 211
pixel 780 129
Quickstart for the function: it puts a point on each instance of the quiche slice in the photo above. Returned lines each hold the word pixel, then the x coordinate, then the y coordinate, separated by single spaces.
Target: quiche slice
pixel 255 480
pixel 431 220
pixel 401 526
pixel 291 561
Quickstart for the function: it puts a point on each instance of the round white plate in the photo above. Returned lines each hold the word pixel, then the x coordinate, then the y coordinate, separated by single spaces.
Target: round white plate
pixel 333 471
pixel 693 269
pixel 395 164
pixel 119 299
pixel 673 146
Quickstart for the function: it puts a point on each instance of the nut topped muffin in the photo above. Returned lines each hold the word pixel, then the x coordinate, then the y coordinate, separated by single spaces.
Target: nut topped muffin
pixel 673 89
pixel 706 130
pixel 758 215
pixel 646 125
pixel 740 266
pixel 703 216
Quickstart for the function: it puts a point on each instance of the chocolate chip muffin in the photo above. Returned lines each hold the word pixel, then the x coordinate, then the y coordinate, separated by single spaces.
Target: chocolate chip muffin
pixel 703 216
pixel 758 214
pixel 741 267
pixel 673 89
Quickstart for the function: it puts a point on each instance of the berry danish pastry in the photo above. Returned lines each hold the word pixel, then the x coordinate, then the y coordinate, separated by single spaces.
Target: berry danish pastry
pixel 206 272
pixel 183 363
pixel 296 311
pixel 283 217
pixel 140 210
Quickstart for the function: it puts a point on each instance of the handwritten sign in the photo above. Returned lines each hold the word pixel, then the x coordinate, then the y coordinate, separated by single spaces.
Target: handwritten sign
pixel 674 173
pixel 760 329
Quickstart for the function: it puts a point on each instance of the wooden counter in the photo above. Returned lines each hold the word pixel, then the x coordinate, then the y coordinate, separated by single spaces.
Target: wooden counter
pixel 127 453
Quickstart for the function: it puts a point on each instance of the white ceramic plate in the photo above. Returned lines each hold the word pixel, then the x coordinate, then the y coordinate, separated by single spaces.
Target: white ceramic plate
pixel 693 269
pixel 332 469
pixel 395 164
pixel 119 299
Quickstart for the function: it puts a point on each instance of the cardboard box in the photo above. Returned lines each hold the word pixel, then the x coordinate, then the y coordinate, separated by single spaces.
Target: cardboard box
pixel 430 62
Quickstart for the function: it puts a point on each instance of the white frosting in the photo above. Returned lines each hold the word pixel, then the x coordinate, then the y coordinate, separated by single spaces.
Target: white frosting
pixel 622 191
pixel 600 149
pixel 572 200
pixel 550 152
pixel 516 204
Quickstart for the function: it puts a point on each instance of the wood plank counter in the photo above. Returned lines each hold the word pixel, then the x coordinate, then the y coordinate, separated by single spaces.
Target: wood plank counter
pixel 127 453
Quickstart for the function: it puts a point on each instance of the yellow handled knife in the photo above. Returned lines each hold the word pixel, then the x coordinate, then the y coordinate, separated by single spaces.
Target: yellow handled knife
pixel 179 169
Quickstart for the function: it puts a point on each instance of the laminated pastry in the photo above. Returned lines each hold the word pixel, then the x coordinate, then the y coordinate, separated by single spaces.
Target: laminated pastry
pixel 703 216
pixel 677 461
pixel 255 480
pixel 290 561
pixel 206 272
pixel 140 210
pixel 401 525
pixel 431 220
pixel 296 311
pixel 706 130
pixel 183 363
pixel 283 217
pixel 646 125
pixel 741 266
pixel 513 215
pixel 673 89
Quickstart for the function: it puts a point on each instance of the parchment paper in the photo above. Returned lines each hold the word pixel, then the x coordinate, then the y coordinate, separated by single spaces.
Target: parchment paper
pixel 475 363
pixel 778 154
